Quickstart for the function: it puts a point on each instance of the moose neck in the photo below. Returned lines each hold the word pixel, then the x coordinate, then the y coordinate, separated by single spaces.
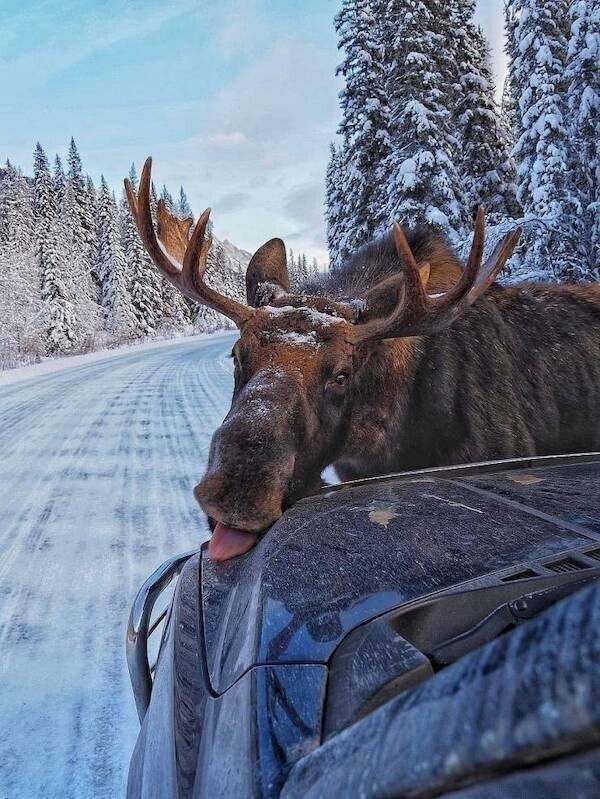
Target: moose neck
pixel 493 386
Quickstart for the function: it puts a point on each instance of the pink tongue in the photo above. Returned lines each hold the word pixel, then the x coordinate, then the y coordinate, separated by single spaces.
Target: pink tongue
pixel 227 542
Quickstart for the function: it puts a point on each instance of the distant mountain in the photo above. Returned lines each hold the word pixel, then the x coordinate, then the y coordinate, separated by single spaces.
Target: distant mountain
pixel 238 258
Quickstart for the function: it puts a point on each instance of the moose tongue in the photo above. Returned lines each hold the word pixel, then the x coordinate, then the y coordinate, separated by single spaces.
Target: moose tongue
pixel 227 542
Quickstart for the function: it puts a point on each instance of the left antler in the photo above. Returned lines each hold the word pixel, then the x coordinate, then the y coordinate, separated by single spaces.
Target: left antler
pixel 416 313
pixel 188 276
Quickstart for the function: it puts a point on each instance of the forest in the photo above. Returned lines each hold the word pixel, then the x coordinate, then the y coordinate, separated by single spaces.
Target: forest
pixel 74 275
pixel 423 140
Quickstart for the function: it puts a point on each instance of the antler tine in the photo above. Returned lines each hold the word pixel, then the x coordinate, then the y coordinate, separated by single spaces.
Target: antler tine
pixel 196 254
pixel 418 314
pixel 142 216
pixel 494 264
pixel 189 276
pixel 415 290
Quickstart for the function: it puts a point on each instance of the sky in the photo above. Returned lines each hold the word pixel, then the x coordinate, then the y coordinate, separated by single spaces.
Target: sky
pixel 236 100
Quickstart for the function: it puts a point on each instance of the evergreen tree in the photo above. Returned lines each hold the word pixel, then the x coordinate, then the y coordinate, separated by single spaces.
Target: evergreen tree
pixel 582 78
pixel 16 212
pixel 422 181
pixel 60 316
pixel 167 198
pixel 183 207
pixel 22 318
pixel 483 155
pixel 144 279
pixel 365 113
pixel 339 215
pixel 537 49
pixel 59 182
pixel 79 216
pixel 112 269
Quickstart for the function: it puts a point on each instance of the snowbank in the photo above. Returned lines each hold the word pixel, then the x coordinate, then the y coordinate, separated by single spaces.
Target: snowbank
pixel 51 365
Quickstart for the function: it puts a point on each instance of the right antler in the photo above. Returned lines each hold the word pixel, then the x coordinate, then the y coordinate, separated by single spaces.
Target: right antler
pixel 188 276
pixel 416 313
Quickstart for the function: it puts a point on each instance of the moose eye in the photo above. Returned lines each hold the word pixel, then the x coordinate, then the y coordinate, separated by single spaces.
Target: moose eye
pixel 341 379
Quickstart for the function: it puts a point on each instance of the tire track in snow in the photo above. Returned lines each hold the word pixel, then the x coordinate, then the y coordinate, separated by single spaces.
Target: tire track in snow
pixel 97 467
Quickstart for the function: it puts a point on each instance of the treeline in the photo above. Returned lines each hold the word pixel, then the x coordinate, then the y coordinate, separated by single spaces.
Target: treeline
pixel 74 275
pixel 422 138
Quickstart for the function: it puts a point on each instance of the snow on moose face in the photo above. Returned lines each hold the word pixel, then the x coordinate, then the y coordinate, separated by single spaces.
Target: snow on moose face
pixel 293 375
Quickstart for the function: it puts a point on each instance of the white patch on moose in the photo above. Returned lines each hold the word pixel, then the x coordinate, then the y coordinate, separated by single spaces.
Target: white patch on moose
pixel 316 317
pixel 292 337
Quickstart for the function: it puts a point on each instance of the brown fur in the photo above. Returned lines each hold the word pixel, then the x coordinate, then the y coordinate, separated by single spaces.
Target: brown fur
pixel 518 374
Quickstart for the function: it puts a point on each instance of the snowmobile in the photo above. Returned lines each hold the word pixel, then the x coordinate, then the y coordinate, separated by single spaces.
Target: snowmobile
pixel 432 633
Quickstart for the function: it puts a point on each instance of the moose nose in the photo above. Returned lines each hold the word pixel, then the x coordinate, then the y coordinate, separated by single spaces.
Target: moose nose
pixel 220 501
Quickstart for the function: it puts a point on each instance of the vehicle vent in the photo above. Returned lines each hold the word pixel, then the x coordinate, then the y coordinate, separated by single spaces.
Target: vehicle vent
pixel 565 565
pixel 522 575
pixel 593 553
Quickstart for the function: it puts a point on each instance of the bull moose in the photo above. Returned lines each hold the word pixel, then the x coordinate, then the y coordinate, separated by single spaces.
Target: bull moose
pixel 399 360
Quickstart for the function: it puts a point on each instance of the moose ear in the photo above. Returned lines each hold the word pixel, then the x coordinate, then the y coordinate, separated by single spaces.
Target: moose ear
pixel 383 297
pixel 267 275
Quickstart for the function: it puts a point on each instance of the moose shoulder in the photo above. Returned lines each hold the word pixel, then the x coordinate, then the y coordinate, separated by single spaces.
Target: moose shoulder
pixel 400 359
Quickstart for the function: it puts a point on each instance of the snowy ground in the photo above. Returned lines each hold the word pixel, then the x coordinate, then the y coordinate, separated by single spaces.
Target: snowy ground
pixel 97 465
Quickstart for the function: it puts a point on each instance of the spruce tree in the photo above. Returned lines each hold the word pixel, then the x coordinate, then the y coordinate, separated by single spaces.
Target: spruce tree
pixel 423 183
pixel 167 198
pixel 582 78
pixel 365 114
pixel 79 216
pixel 59 182
pixel 183 207
pixel 537 48
pixel 112 268
pixel 483 152
pixel 144 284
pixel 55 284
pixel 339 213
pixel 16 212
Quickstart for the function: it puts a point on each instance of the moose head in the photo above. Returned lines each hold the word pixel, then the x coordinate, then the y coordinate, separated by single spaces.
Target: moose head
pixel 298 362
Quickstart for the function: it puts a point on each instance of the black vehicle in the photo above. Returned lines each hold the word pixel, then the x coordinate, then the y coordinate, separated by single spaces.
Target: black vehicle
pixel 424 634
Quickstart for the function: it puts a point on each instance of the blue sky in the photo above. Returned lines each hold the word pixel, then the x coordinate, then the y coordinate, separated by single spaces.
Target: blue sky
pixel 237 100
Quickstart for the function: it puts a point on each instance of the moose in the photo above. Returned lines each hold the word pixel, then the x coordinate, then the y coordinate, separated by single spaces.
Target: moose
pixel 401 359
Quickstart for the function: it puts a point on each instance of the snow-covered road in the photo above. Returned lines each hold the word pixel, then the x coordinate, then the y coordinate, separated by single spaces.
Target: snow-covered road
pixel 97 465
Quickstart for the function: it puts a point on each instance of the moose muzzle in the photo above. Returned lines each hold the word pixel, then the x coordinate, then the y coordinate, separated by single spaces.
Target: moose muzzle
pixel 251 463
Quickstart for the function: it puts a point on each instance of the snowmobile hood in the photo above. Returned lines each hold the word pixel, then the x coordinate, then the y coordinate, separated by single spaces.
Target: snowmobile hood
pixel 338 559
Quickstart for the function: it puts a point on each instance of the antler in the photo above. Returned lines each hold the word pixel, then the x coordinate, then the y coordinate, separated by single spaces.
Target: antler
pixel 416 313
pixel 188 276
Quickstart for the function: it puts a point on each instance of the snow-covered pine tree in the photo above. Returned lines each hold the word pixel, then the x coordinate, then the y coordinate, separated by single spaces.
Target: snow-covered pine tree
pixel 582 78
pixel 79 218
pixel 184 209
pixel 55 283
pixel 423 184
pixel 167 198
pixel 112 268
pixel 60 180
pixel 365 115
pixel 144 285
pixel 483 155
pixel 16 212
pixel 338 206
pixel 537 49
pixel 22 320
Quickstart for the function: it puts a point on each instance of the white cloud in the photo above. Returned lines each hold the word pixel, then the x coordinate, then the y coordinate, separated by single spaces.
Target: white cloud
pixel 233 139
